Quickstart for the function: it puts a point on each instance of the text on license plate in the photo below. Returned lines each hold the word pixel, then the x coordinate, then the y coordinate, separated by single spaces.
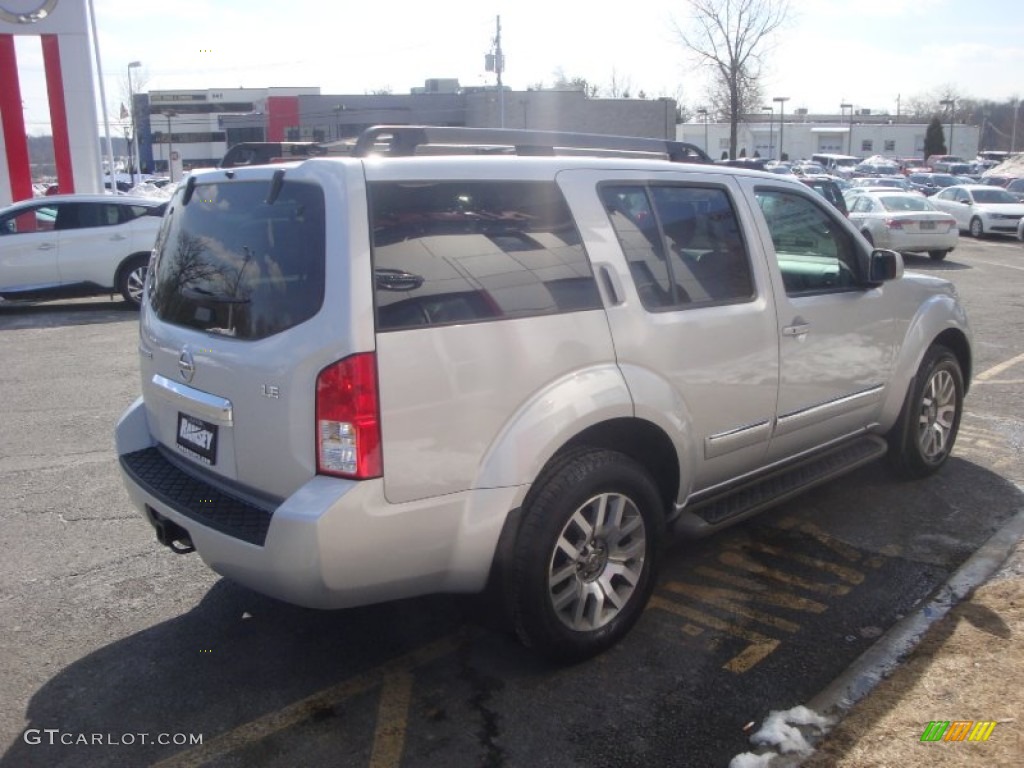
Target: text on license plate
pixel 927 225
pixel 197 438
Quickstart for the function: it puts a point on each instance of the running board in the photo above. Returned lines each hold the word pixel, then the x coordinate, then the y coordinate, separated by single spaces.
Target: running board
pixel 740 501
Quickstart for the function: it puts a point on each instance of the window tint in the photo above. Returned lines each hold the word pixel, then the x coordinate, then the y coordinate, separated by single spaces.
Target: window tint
pixel 87 215
pixel 233 264
pixel 815 254
pixel 682 243
pixel 467 251
pixel 40 218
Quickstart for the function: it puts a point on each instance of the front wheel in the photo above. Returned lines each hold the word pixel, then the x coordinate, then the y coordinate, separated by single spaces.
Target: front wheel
pixel 131 281
pixel 937 255
pixel 924 436
pixel 586 554
pixel 976 228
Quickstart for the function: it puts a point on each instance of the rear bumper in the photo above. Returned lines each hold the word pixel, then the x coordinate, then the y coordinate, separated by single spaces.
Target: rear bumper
pixel 332 544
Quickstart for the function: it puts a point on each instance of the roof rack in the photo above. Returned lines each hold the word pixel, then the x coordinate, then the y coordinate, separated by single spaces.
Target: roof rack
pixel 407 140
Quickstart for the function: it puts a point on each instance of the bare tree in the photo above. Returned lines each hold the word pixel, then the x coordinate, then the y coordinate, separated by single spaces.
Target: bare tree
pixel 728 37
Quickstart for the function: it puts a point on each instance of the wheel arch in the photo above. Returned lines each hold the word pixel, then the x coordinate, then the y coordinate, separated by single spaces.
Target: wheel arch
pixel 126 262
pixel 939 321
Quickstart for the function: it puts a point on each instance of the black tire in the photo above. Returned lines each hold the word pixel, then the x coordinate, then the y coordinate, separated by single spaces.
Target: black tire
pixel 131 279
pixel 586 555
pixel 923 438
pixel 976 228
pixel 937 255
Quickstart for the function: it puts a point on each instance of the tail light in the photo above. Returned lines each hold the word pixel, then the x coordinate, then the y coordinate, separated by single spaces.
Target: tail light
pixel 894 224
pixel 348 419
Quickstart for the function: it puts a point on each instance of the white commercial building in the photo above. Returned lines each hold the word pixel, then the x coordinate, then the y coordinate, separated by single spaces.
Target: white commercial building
pixel 801 136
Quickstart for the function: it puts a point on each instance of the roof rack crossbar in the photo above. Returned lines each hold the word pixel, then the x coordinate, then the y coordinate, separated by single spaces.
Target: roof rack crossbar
pixel 403 140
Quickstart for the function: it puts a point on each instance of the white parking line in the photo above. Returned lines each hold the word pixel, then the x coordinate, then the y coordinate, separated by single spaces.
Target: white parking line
pixel 998 264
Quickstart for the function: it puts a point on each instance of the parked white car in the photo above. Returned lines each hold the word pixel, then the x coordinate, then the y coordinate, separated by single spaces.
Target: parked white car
pixel 981 209
pixel 65 246
pixel 904 221
pixel 368 378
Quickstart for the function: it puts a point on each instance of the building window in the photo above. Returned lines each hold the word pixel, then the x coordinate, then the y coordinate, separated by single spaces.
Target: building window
pixel 890 145
pixel 867 145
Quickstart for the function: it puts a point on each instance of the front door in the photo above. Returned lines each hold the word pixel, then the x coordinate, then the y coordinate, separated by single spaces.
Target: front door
pixel 836 335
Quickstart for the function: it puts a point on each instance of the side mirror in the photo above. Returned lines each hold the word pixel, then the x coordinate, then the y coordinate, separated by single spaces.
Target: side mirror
pixel 884 265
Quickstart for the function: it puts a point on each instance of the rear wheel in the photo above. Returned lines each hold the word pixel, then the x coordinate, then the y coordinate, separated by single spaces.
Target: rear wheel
pixel 586 554
pixel 937 255
pixel 131 281
pixel 976 228
pixel 924 436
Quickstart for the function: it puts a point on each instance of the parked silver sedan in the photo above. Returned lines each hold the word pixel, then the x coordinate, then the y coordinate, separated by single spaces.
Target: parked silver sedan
pixel 981 209
pixel 904 222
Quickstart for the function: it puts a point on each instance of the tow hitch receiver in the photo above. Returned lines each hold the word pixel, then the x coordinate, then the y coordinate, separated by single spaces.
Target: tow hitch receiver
pixel 170 534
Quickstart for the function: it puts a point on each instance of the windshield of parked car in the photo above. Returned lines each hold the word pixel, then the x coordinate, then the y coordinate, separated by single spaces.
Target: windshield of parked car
pixel 993 196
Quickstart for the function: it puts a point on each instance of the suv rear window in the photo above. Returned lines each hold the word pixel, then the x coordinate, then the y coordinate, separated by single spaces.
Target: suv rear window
pixel 233 264
pixel 469 251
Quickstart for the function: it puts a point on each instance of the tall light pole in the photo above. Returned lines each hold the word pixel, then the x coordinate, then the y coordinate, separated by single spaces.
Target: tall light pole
pixel 781 101
pixel 771 130
pixel 169 113
pixel 1013 134
pixel 133 150
pixel 849 136
pixel 703 112
pixel 951 103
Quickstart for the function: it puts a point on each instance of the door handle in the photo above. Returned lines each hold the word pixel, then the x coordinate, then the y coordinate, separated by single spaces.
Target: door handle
pixel 118 237
pixel 796 330
pixel 47 247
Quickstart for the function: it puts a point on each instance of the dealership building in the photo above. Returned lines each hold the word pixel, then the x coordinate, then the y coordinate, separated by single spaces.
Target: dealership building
pixel 862 133
pixel 195 127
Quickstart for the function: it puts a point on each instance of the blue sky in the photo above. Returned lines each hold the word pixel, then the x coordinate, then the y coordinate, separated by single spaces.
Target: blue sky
pixel 866 52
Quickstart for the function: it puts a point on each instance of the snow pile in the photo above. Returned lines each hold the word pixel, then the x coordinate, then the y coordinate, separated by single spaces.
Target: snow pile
pixel 780 731
pixel 1011 166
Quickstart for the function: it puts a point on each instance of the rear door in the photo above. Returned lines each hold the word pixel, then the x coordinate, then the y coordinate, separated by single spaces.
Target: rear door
pixel 695 313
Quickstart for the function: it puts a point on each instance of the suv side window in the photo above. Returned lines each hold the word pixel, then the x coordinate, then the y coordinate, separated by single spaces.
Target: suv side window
pixel 682 243
pixel 815 254
pixel 469 251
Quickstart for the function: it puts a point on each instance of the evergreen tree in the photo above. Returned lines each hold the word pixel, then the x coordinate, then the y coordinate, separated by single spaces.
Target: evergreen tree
pixel 934 139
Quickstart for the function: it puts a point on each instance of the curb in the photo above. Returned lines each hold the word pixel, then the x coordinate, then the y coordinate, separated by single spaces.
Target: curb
pixel 882 658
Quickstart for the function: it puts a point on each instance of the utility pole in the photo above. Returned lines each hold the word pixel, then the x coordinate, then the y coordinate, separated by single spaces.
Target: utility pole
pixel 499 66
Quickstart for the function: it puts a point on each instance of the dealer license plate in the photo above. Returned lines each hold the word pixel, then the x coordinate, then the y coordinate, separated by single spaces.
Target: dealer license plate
pixel 197 438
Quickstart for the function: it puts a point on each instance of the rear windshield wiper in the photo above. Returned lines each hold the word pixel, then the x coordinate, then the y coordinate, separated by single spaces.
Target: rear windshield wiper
pixel 201 294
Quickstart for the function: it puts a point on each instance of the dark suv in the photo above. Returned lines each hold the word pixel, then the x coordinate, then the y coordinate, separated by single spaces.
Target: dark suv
pixel 828 189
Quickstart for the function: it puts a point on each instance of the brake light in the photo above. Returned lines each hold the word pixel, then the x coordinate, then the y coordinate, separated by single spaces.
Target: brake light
pixel 894 224
pixel 348 418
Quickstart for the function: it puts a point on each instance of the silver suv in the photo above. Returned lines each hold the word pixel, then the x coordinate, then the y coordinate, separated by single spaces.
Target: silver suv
pixel 378 376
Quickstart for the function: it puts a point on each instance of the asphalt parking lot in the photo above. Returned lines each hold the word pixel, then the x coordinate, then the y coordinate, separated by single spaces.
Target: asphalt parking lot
pixel 117 652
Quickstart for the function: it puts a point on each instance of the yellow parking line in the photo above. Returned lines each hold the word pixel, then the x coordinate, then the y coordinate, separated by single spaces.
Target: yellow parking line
pixel 764 593
pixel 737 560
pixel 841 548
pixel 271 723
pixel 392 719
pixel 995 370
pixel 730 601
pixel 849 575
pixel 760 645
